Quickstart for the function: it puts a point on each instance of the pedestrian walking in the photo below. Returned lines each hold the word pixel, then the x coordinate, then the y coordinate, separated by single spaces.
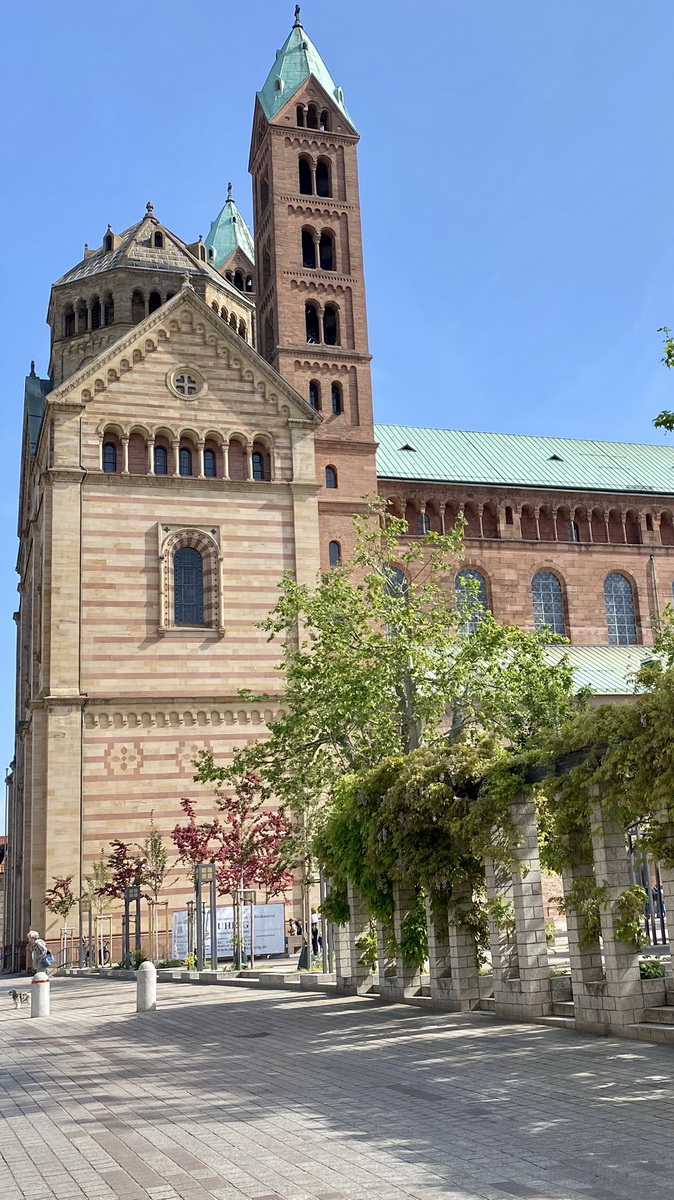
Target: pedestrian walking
pixel 314 931
pixel 42 956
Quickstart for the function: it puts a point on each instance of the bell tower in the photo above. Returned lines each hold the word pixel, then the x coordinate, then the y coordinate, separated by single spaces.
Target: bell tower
pixel 312 321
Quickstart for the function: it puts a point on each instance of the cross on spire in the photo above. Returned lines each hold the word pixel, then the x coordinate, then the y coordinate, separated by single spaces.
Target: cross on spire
pixel 229 191
pixel 298 23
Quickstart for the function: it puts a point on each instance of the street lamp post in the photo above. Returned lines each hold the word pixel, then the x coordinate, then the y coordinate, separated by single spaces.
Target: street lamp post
pixel 250 898
pixel 206 874
pixel 86 911
pixel 131 894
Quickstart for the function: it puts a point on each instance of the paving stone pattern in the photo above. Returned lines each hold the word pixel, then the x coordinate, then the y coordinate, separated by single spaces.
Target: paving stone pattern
pixel 249 1095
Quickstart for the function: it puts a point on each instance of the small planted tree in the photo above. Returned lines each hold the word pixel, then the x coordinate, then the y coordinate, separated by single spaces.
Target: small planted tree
pixel 60 899
pixel 156 865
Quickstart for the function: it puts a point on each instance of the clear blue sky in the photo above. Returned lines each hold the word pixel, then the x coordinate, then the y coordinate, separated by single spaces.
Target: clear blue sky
pixel 516 176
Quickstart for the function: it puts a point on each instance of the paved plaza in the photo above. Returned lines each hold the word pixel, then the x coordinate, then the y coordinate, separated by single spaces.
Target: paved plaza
pixel 259 1095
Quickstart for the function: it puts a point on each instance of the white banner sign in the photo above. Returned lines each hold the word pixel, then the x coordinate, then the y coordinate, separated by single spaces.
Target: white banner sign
pixel 269 921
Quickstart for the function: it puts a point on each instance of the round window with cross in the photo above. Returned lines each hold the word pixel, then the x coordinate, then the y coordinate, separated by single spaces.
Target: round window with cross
pixel 186 382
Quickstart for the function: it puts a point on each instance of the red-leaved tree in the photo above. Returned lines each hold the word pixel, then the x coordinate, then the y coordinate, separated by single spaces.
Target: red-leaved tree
pixel 195 842
pixel 252 842
pixel 126 870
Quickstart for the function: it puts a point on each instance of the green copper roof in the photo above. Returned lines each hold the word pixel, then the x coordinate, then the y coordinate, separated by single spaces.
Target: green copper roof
pixel 459 456
pixel 297 59
pixel 606 670
pixel 229 232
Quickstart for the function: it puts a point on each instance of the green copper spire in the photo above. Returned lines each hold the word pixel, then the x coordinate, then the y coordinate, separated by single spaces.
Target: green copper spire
pixel 229 232
pixel 296 61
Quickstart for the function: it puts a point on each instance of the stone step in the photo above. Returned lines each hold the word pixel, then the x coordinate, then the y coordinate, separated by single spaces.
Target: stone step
pixel 662 1015
pixel 488 1004
pixel 651 1032
pixel 557 1022
pixel 563 1008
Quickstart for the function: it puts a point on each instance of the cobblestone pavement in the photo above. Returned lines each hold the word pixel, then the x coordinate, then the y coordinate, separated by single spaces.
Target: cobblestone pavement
pixel 250 1095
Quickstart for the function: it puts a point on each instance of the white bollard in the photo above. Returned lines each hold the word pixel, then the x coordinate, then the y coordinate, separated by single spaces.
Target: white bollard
pixel 39 994
pixel 146 987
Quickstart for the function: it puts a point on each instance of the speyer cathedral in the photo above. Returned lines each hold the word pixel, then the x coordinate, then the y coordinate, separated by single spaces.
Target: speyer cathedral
pixel 206 424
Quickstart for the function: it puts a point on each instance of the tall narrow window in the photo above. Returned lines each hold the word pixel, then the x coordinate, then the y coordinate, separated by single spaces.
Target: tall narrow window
pixel 107 243
pixel 330 326
pixel 188 586
pixel 109 310
pixel 546 594
pixel 155 302
pixel 306 177
pixel 95 313
pixel 82 318
pixel 312 117
pixel 137 307
pixel 258 465
pixel 238 280
pixel 308 249
pixel 620 615
pixel 330 477
pixel 210 464
pixel 323 178
pixel 159 241
pixel 300 116
pixel 266 268
pixel 315 395
pixel 185 461
pixel 264 194
pixel 471 596
pixel 160 460
pixel 423 524
pixel 312 324
pixel 110 458
pixel 335 554
pixel 68 323
pixel 336 398
pixel 326 252
pixel 325 121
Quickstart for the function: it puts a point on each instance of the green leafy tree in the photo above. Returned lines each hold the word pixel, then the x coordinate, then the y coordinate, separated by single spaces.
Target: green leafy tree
pixel 665 419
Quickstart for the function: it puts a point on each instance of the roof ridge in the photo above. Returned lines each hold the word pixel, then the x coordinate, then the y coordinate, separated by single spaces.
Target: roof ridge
pixel 548 437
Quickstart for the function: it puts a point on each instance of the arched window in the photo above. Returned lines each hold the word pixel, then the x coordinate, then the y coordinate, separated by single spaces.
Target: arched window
pixel 185 461
pixel 258 465
pixel 109 457
pixel 107 243
pixel 330 477
pixel 269 341
pixel 154 302
pixel 315 395
pixel 160 460
pixel 214 305
pixel 326 251
pixel 210 464
pixel 264 194
pixel 236 460
pixel 489 521
pixel 423 524
pixel 266 268
pixel 323 178
pixel 396 583
pixel 336 398
pixel 232 321
pixel 82 318
pixel 137 307
pixel 242 328
pixel 300 116
pixel 324 122
pixel 308 249
pixel 159 241
pixel 211 254
pixel 68 322
pixel 108 310
pixel 546 593
pixel 509 515
pixel 335 554
pixel 224 315
pixel 312 117
pixel 188 586
pixel 238 280
pixel 312 324
pixel 330 326
pixel 620 616
pixel 249 283
pixel 306 177
pixel 471 595
pixel 95 313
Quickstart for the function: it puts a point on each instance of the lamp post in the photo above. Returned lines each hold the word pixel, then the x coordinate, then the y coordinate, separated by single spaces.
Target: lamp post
pixel 206 874
pixel 86 911
pixel 250 898
pixel 131 894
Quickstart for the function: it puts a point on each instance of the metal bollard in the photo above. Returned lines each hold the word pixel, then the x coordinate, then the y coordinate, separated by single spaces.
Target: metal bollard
pixel 39 999
pixel 146 987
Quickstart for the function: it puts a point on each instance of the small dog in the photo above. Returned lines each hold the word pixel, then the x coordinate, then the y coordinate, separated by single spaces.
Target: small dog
pixel 19 998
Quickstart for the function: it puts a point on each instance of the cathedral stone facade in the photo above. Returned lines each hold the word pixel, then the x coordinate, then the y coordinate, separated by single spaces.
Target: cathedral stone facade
pixel 206 425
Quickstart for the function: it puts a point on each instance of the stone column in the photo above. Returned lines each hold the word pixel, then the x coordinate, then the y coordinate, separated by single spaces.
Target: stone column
pixel 398 981
pixel 176 456
pixel 442 508
pixel 667 885
pixel 224 448
pixel 587 970
pixel 452 956
pixel 521 971
pixel 150 456
pixel 361 978
pixel 200 452
pixel 386 962
pixel 249 460
pixel 623 994
pixel 125 456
